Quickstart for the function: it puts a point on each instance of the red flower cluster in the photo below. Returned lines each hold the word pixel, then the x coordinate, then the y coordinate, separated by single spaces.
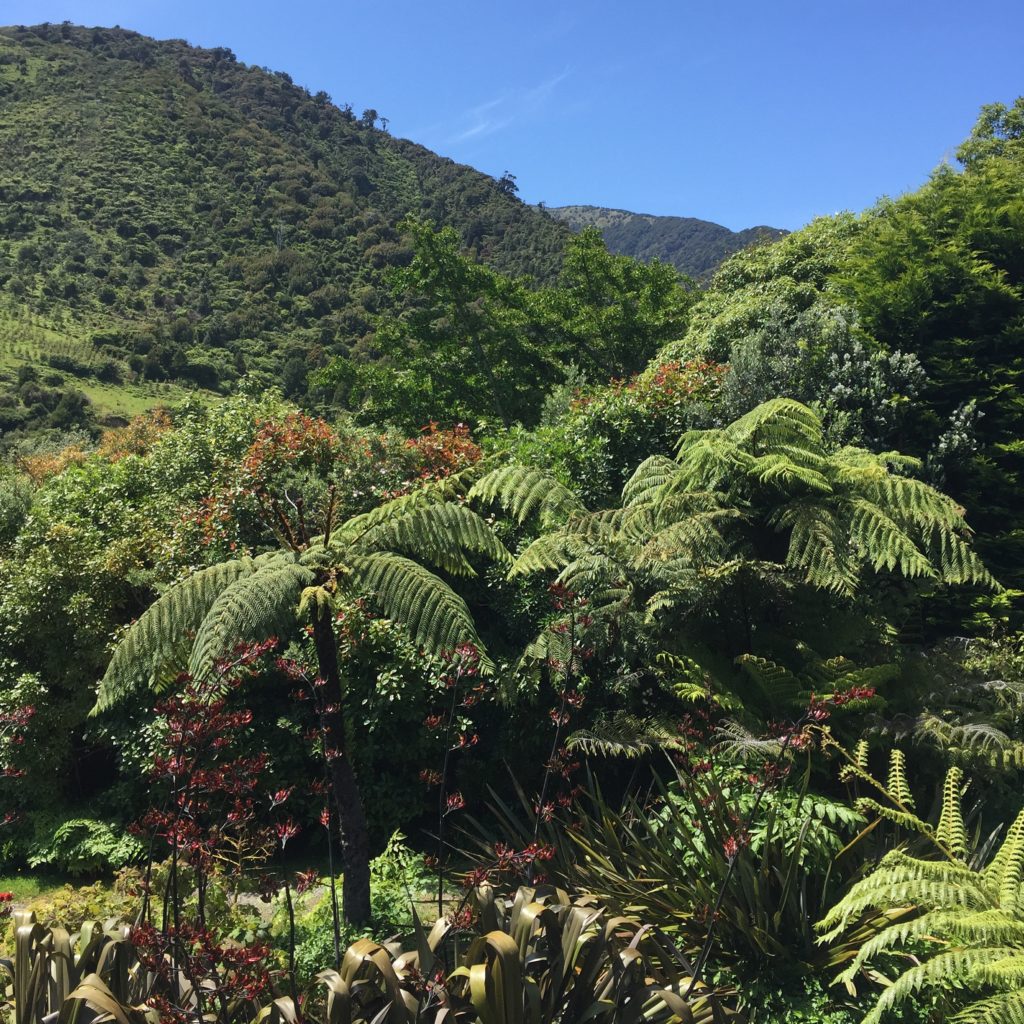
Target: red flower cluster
pixel 733 844
pixel 511 862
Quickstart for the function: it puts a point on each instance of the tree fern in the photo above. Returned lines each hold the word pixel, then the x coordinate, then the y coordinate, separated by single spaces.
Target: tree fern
pixel 690 533
pixel 201 619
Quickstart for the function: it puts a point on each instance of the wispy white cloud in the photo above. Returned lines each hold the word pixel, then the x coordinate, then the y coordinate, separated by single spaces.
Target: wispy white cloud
pixel 510 106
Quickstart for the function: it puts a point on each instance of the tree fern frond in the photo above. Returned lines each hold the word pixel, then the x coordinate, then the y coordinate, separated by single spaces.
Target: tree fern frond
pixel 438 533
pixel 896 784
pixel 162 636
pixel 883 543
pixel 971 742
pixel 249 609
pixel 695 540
pixel 625 735
pixel 1005 973
pixel 951 830
pixel 524 492
pixel 778 422
pixel 777 683
pixel 551 551
pixel 942 971
pixel 435 616
pixel 735 741
pixel 648 480
pixel 1004 1008
pixel 818 545
pixel 780 470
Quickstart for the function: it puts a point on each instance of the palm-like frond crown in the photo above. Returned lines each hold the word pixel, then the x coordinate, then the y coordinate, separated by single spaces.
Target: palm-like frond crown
pixel 378 555
pixel 683 523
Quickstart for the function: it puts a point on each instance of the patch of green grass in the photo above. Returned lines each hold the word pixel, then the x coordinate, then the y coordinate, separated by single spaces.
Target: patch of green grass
pixel 28 885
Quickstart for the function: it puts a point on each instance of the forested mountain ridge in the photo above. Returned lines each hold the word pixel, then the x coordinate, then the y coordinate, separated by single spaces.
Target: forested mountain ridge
pixel 169 213
pixel 693 246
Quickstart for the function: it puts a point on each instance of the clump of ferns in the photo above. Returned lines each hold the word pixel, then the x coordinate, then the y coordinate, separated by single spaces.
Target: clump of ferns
pixel 950 925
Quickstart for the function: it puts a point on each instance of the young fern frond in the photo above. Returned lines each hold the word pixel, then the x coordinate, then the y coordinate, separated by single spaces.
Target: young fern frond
pixel 868 806
pixel 965 926
pixel 951 831
pixel 897 785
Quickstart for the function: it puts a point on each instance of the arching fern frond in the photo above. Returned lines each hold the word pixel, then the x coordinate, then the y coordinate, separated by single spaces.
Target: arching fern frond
pixel 439 533
pixel 435 616
pixel 162 636
pixel 648 480
pixel 250 609
pixel 625 735
pixel 523 492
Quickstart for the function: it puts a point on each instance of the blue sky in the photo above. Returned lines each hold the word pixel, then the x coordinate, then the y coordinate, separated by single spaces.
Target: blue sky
pixel 739 112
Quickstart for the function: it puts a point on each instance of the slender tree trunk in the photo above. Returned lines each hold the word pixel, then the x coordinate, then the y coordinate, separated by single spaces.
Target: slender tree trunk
pixel 355 840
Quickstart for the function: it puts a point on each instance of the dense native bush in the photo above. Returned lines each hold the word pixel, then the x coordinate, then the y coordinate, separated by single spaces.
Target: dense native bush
pixel 595 437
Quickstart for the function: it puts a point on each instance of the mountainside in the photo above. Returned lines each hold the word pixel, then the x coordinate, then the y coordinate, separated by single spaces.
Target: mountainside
pixel 168 213
pixel 692 246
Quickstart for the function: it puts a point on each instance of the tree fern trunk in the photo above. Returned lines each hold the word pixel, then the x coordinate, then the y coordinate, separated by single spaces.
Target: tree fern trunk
pixel 355 840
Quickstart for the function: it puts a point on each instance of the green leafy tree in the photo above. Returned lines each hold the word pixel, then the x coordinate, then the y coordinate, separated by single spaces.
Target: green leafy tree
pixel 613 313
pixel 998 132
pixel 378 555
pixel 464 337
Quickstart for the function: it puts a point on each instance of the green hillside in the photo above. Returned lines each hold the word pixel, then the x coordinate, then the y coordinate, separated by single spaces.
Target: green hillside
pixel 695 247
pixel 171 214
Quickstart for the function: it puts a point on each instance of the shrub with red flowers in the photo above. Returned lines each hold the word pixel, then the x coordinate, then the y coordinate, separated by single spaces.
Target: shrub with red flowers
pixel 221 818
pixel 461 688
